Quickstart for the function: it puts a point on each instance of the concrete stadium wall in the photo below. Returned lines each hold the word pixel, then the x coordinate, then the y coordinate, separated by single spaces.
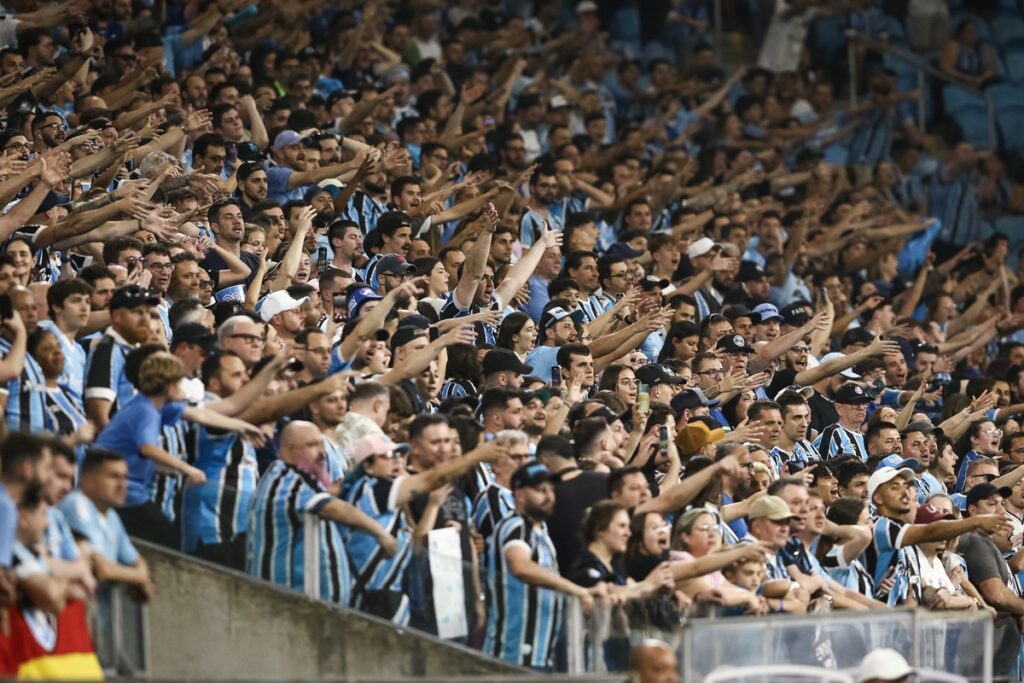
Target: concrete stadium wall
pixel 209 623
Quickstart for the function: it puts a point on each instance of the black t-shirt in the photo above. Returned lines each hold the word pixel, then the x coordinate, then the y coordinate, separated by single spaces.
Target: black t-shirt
pixel 781 380
pixel 589 571
pixel 639 566
pixel 823 412
pixel 572 498
pixel 214 263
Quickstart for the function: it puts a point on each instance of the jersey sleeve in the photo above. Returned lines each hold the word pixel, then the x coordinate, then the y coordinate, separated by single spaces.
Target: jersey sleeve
pixel 99 379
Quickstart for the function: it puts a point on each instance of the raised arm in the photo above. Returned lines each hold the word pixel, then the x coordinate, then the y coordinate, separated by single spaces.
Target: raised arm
pixel 520 273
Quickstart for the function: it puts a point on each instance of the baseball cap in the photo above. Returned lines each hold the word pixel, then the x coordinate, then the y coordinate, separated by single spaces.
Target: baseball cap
pixel 806 392
pixel 848 373
pixel 624 251
pixel 586 6
pixel 926 514
pixel 359 297
pixel 922 426
pixel 700 247
pixel 795 314
pixel 278 302
pixel 654 373
pixel 883 475
pixel 740 311
pixel 690 399
pixel 500 360
pixel 195 333
pixel 770 507
pixel 286 138
pixel 856 335
pixel 767 312
pixel 531 474
pixel 750 271
pixel 896 462
pixel 132 296
pixel 734 343
pixel 332 190
pixel 851 394
pixel 405 334
pixel 883 664
pixel 696 435
pixel 985 491
pixel 395 264
pixel 553 315
pixel 416 320
pixel 373 445
pixel 652 281
pixel 558 102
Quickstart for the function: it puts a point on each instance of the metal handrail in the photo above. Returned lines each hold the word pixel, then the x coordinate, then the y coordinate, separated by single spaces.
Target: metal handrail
pixel 922 68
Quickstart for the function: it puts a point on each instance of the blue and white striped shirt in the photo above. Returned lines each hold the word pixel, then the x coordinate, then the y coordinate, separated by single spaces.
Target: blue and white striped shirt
pixel 523 621
pixel 218 511
pixel 104 374
pixel 275 542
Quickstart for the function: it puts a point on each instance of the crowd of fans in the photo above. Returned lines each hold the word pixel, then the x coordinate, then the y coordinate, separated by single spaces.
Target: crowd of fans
pixel 544 273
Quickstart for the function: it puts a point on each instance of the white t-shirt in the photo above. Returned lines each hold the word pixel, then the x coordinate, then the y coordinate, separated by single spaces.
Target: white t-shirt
pixel 784 41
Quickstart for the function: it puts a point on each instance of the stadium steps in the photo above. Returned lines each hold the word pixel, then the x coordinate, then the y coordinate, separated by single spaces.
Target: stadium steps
pixel 210 623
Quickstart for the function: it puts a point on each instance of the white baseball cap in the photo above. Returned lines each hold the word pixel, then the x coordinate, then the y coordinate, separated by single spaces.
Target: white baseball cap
pixel 279 302
pixel 883 664
pixel 701 247
pixel 848 373
pixel 882 476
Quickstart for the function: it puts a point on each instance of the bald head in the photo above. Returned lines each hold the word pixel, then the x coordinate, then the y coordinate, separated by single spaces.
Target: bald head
pixel 302 445
pixel 24 302
pixel 653 661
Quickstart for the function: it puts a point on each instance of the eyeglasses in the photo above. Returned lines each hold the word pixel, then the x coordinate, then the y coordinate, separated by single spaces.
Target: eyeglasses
pixel 801 349
pixel 160 266
pixel 206 284
pixel 719 372
pixel 988 478
pixel 248 338
pixel 993 430
pixel 24 146
pixel 55 124
pixel 704 527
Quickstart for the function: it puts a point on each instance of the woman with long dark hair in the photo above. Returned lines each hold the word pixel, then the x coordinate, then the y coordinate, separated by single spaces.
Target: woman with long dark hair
pixel 517 332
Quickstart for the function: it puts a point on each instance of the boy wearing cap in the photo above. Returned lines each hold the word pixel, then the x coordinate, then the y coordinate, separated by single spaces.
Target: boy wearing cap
pixel 106 386
pixel 844 437
pixel 524 618
pixel 890 491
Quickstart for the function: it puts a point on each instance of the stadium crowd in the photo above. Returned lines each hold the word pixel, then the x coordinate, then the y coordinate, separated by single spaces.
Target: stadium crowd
pixel 641 330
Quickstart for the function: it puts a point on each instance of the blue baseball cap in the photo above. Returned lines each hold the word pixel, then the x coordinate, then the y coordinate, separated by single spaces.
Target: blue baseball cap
pixel 287 138
pixel 896 462
pixel 359 297
pixel 530 475
pixel 767 312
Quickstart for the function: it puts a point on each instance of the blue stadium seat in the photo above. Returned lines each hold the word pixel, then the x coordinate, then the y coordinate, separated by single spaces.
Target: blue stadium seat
pixel 955 100
pixel 974 125
pixel 1006 96
pixel 1008 33
pixel 1008 119
pixel 1015 67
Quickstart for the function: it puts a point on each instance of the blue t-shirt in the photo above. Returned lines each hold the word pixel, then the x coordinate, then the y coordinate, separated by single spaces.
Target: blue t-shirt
pixel 277 185
pixel 542 359
pixel 103 531
pixel 138 423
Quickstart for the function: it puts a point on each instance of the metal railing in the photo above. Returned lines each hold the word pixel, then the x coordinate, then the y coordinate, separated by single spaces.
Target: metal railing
pixel 922 68
pixel 120 632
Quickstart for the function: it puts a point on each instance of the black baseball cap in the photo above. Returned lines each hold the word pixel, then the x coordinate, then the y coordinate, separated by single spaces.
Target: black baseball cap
pixel 851 394
pixel 985 491
pixel 690 399
pixel 531 474
pixel 652 281
pixel 195 333
pixel 750 271
pixel 405 334
pixel 654 373
pixel 740 311
pixel 795 314
pixel 734 343
pixel 132 296
pixel 500 360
